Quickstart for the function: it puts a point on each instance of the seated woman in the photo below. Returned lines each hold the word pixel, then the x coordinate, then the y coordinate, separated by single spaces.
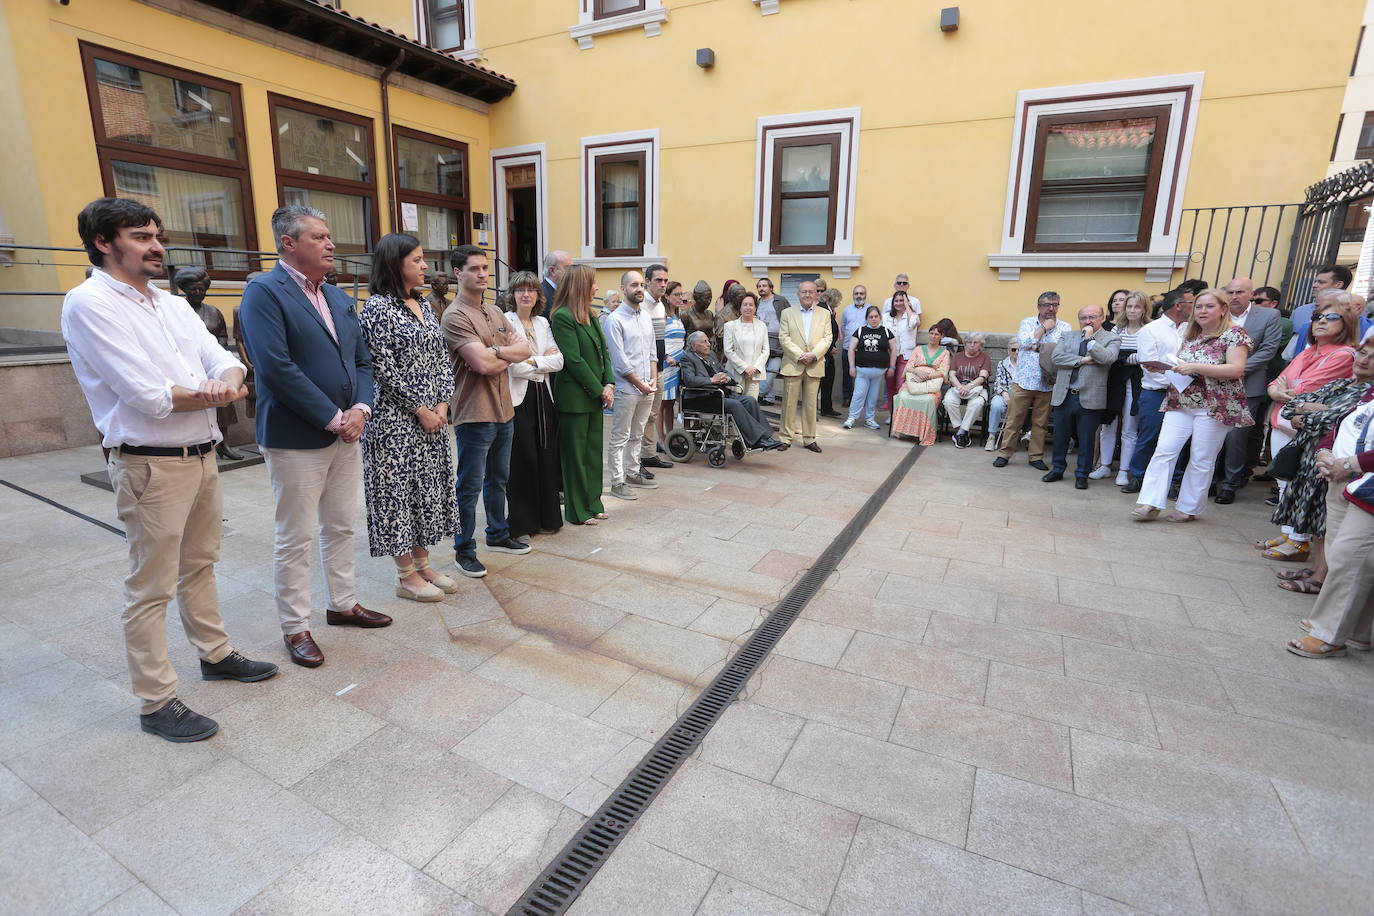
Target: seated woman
pixel 1344 612
pixel 1302 504
pixel 914 405
pixel 1001 390
pixel 699 369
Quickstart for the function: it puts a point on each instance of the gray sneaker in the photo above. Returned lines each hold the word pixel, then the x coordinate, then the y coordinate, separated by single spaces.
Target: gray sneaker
pixel 635 480
pixel 622 491
pixel 176 722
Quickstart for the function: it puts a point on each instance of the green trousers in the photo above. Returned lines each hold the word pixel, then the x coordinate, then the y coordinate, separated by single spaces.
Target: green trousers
pixel 581 454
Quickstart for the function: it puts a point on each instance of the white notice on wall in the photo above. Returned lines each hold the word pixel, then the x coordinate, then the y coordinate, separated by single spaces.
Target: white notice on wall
pixel 483 238
pixel 410 217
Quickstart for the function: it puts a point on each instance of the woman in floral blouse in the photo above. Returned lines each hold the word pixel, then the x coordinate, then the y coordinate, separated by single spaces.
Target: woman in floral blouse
pixel 1211 404
pixel 407 466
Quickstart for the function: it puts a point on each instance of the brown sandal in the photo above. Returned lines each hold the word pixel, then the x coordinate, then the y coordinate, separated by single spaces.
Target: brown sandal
pixel 1293 575
pixel 1312 647
pixel 1301 586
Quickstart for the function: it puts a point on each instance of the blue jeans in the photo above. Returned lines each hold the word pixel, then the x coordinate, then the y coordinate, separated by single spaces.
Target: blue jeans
pixel 1149 420
pixel 1073 416
pixel 997 409
pixel 483 467
pixel 868 385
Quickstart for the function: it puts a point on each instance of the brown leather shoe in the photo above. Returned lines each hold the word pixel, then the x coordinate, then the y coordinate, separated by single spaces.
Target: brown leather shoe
pixel 358 617
pixel 813 447
pixel 783 447
pixel 303 650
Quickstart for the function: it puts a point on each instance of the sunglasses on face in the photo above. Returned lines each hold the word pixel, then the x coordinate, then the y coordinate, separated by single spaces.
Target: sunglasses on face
pixel 1259 301
pixel 903 282
pixel 1329 316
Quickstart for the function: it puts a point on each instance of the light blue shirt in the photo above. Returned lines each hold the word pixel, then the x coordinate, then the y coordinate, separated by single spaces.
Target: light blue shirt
pixel 630 338
pixel 806 314
pixel 851 319
pixel 1027 373
pixel 1302 314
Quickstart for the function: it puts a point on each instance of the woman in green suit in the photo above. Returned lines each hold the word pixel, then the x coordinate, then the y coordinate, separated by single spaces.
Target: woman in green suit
pixel 583 389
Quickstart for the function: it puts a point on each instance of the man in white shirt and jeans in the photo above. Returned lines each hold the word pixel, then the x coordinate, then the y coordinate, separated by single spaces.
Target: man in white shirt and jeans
pixel 630 339
pixel 1156 344
pixel 153 376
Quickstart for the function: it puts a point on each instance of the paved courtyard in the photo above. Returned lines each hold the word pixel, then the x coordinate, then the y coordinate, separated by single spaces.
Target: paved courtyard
pixel 1009 699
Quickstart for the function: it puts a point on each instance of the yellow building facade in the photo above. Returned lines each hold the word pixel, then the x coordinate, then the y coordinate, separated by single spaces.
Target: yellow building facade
pixel 990 151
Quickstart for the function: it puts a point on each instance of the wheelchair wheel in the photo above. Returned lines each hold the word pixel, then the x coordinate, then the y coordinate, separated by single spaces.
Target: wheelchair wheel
pixel 716 457
pixel 680 445
pixel 738 449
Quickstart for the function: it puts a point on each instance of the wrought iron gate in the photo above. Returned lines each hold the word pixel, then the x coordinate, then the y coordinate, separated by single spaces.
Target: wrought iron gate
pixel 1321 221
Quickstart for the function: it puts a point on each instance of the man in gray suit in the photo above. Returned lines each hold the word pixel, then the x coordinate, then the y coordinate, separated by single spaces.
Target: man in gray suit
pixel 1082 359
pixel 1265 327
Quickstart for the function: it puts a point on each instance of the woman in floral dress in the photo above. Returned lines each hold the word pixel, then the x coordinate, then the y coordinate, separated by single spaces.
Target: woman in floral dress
pixel 914 405
pixel 1213 354
pixel 407 466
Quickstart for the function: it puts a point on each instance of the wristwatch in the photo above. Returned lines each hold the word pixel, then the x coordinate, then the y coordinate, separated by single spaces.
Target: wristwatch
pixel 496 351
pixel 1348 469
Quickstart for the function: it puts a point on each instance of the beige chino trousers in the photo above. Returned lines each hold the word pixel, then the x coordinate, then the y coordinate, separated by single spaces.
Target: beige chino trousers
pixel 806 387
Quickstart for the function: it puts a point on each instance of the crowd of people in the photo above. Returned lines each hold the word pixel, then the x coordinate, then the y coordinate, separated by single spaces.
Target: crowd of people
pixel 347 398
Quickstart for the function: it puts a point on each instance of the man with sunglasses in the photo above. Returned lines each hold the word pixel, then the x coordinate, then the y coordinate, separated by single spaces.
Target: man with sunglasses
pixel 903 283
pixel 1265 327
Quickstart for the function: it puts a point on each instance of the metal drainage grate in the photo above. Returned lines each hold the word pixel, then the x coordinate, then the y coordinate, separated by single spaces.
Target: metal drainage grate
pixel 572 870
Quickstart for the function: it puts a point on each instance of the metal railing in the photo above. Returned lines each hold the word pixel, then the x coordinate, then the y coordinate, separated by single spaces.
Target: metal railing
pixel 1242 241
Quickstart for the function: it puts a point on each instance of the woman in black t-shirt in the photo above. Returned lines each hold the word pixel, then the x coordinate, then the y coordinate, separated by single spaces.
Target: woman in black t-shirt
pixel 871 358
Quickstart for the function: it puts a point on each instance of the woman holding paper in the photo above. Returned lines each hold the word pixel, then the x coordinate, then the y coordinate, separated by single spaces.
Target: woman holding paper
pixel 1206 399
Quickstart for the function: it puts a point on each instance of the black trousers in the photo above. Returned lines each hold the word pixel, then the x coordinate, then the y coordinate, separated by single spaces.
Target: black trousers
pixel 828 385
pixel 536 475
pixel 1242 450
pixel 743 410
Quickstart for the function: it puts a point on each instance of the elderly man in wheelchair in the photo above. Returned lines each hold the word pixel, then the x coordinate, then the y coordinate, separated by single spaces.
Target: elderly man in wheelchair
pixel 715 416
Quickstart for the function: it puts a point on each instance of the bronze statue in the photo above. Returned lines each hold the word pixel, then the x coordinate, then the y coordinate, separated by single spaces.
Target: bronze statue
pixel 194 283
pixel 438 295
pixel 700 317
pixel 727 313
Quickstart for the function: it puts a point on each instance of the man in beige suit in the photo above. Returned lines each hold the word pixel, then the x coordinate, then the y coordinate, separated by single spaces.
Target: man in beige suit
pixel 804 334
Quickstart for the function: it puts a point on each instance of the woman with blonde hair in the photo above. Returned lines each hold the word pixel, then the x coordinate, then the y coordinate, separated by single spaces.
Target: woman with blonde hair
pixel 584 388
pixel 1130 312
pixel 1213 356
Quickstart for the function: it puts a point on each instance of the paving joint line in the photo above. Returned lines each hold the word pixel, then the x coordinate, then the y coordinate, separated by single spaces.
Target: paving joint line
pixel 67 509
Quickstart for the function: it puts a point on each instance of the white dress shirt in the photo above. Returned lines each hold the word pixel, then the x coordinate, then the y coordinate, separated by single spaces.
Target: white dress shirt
pixel 1158 339
pixel 630 339
pixel 128 351
pixel 913 306
pixel 806 314
pixel 904 329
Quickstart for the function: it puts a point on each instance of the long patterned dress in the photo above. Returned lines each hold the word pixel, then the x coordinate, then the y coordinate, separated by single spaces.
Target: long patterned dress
pixel 1303 502
pixel 407 472
pixel 914 414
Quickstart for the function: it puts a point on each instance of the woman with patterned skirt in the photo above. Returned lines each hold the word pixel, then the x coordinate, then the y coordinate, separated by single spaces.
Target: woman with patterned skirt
pixel 407 465
pixel 915 403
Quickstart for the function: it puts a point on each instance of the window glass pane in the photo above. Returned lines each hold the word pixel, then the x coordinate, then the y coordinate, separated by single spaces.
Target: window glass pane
pixel 197 210
pixel 1356 219
pixel 349 218
pixel 439 229
pixel 322 146
pixel 1365 146
pixel 1099 149
pixel 1095 217
pixel 620 205
pixel 805 221
pixel 611 7
pixel 430 167
pixel 445 24
pixel 158 111
pixel 806 168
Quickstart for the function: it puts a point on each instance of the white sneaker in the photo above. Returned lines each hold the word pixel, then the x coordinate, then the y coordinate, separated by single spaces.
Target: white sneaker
pixel 1101 472
pixel 872 424
pixel 1122 479
pixel 848 423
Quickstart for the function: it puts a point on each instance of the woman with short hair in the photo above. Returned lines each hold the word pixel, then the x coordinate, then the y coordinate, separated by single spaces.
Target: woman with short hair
pixel 407 465
pixel 535 467
pixel 746 346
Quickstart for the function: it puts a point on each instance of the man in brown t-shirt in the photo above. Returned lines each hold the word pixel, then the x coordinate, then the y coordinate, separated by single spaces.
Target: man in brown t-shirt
pixel 481 345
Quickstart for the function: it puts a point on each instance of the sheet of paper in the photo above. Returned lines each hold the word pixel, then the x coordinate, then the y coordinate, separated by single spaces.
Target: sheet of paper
pixel 1178 380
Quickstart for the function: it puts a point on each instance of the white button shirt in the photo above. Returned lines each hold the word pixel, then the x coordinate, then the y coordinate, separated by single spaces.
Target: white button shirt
pixel 1158 339
pixel 128 351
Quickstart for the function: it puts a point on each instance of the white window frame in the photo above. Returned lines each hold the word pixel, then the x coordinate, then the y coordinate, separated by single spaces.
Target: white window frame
pixel 1182 93
pixel 469 50
pixel 768 7
pixel 535 154
pixel 841 259
pixel 651 18
pixel 639 141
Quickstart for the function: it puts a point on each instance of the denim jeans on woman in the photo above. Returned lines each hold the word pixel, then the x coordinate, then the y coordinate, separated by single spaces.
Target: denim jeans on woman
pixel 868 385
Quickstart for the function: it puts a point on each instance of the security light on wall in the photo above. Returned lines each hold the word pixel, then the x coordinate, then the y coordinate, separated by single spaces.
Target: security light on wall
pixel 949 19
pixel 706 58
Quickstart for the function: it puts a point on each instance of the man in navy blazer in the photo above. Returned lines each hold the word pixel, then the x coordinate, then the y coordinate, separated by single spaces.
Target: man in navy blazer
pixel 314 393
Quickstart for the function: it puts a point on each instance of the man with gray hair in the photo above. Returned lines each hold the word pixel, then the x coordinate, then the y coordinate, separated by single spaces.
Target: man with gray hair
pixel 630 339
pixel 701 371
pixel 1030 390
pixel 555 262
pixel 314 393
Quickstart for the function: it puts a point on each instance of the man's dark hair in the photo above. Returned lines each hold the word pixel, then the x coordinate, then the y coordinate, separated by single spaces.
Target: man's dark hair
pixel 1193 286
pixel 104 217
pixel 653 269
pixel 387 258
pixel 460 255
pixel 1168 302
pixel 1268 292
pixel 1342 275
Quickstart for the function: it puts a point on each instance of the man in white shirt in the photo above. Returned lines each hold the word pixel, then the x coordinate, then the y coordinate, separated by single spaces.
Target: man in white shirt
pixel 655 284
pixel 630 339
pixel 152 375
pixel 1156 351
pixel 851 319
pixel 1030 392
pixel 903 283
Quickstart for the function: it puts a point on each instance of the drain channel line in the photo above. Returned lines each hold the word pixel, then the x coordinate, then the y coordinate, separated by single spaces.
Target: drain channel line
pixel 67 509
pixel 554 891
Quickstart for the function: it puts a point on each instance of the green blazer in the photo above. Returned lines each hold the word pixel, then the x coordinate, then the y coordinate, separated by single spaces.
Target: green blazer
pixel 586 364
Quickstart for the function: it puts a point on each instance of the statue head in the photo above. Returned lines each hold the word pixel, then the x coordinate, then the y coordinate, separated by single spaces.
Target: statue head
pixel 736 295
pixel 701 295
pixel 438 283
pixel 194 283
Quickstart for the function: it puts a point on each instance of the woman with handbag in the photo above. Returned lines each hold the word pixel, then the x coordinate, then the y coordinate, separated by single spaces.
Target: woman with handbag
pixel 1344 612
pixel 914 405
pixel 1329 356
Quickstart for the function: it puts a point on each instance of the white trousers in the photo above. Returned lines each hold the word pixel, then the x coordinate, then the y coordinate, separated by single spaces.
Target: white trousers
pixel 1106 435
pixel 315 489
pixel 630 414
pixel 1208 436
pixel 963 414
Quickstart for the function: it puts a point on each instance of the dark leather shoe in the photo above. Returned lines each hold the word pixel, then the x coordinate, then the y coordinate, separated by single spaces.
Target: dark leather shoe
pixel 645 473
pixel 359 616
pixel 236 667
pixel 655 462
pixel 303 650
pixel 814 446
pixel 177 723
pixel 1133 485
pixel 1080 483
pixel 784 446
pixel 1040 465
pixel 1052 476
pixel 1226 497
pixel 999 462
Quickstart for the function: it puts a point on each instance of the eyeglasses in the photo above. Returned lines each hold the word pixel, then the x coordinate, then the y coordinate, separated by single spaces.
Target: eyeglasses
pixel 1329 316
pixel 1259 300
pixel 903 282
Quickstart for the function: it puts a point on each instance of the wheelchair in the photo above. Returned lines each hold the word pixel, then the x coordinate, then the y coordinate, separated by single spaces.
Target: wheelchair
pixel 712 432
